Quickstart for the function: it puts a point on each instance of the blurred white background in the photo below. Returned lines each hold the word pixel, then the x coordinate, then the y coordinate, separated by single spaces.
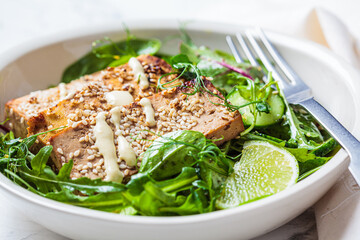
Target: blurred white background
pixel 24 20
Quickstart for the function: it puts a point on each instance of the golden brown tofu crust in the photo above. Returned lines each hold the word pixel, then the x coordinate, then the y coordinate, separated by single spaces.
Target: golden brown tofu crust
pixel 174 111
pixel 21 110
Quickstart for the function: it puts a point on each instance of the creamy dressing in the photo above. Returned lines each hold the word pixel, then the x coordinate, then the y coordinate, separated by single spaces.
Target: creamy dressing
pixel 149 111
pixel 105 143
pixel 63 91
pixel 115 117
pixel 119 98
pixel 125 151
pixel 139 73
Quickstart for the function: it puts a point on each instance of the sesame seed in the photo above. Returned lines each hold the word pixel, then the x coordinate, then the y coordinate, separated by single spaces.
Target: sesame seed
pixel 72 116
pixel 122 165
pixel 77 153
pixel 59 150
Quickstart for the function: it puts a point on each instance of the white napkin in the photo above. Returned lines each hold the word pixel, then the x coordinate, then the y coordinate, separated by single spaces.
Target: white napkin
pixel 338 212
pixel 327 29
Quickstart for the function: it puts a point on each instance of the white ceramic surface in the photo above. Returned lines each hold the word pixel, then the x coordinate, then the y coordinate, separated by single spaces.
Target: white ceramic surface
pixel 40 63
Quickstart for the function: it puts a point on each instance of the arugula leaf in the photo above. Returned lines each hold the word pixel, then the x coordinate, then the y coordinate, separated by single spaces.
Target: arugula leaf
pixel 207 61
pixel 307 125
pixel 187 190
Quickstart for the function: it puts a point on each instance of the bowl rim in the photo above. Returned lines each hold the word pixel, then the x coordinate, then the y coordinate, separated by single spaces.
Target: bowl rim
pixel 171 24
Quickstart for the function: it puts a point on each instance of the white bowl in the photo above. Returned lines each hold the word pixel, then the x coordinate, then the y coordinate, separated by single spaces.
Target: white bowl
pixel 40 63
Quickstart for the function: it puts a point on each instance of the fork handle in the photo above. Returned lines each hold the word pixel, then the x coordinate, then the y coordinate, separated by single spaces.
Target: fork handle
pixel 339 133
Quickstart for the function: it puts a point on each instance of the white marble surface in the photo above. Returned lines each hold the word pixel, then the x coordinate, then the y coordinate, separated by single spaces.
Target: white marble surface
pixel 23 20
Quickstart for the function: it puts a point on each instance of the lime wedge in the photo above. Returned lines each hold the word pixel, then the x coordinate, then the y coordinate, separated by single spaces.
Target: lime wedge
pixel 264 169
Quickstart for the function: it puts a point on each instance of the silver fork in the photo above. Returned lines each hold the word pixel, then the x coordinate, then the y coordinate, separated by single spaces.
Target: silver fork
pixel 295 90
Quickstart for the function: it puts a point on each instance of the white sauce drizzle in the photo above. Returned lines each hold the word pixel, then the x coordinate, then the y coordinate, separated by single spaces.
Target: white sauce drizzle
pixel 119 98
pixel 125 151
pixel 149 111
pixel 139 73
pixel 105 143
pixel 63 91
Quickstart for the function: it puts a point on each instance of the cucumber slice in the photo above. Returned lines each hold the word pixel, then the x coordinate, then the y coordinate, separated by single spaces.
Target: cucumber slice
pixel 263 119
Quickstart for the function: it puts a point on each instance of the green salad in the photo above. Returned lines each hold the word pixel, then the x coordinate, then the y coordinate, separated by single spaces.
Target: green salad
pixel 183 172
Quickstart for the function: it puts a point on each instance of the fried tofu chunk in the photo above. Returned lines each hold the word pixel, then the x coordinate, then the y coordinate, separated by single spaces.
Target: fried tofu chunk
pixel 73 109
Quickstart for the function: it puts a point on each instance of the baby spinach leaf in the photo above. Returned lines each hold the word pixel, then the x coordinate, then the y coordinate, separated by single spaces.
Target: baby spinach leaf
pixel 194 203
pixel 180 183
pixel 169 153
pixel 110 55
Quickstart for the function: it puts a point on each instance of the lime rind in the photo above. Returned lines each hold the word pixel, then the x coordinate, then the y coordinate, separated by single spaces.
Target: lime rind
pixel 263 170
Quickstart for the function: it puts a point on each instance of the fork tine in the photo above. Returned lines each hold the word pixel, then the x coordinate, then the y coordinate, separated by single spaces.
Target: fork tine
pixel 234 50
pixel 246 50
pixel 287 70
pixel 265 60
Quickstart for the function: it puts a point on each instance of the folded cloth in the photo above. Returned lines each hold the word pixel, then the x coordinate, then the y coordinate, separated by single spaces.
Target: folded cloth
pixel 327 29
pixel 338 212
